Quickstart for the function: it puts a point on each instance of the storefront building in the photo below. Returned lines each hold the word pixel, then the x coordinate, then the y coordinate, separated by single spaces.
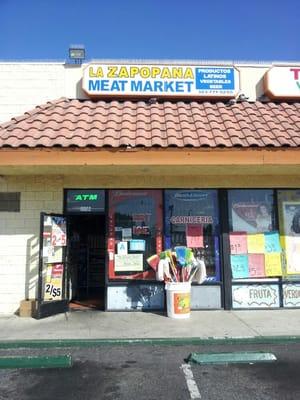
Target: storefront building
pixel 133 159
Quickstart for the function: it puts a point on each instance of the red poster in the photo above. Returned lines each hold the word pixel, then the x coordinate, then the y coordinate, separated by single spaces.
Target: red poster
pixel 256 263
pixel 238 242
pixel 194 236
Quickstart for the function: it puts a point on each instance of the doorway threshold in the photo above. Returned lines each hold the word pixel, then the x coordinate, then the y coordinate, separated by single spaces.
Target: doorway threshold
pixel 86 305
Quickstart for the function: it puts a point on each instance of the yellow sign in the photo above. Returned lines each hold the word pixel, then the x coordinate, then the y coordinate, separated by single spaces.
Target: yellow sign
pixel 256 243
pixel 53 282
pixel 273 264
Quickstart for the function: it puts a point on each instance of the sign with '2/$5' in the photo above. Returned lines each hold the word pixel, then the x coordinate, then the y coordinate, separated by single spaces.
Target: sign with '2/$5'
pixel 134 80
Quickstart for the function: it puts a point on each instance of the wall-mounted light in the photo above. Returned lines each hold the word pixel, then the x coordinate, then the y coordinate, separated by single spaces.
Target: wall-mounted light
pixel 76 53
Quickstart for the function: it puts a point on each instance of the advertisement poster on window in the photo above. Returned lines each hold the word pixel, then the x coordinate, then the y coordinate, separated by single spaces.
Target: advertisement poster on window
pixel 135 218
pixel 251 210
pixel 58 234
pixel 192 220
pixel 291 232
pixel 53 282
pixel 291 218
pixel 251 217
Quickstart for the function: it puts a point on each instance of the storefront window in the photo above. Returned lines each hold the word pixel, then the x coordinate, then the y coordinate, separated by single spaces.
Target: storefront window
pixel 289 225
pixel 255 245
pixel 135 228
pixel 192 219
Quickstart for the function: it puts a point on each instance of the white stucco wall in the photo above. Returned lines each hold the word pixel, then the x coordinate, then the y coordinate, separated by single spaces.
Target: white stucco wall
pixel 25 85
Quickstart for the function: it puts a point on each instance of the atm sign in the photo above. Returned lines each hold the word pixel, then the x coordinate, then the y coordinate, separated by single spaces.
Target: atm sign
pixel 89 197
pixel 85 201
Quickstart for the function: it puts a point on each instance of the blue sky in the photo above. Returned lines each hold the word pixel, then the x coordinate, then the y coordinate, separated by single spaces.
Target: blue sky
pixel 151 29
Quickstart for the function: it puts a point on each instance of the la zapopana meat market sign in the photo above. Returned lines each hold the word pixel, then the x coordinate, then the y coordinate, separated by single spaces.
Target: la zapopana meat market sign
pixel 160 80
pixel 283 82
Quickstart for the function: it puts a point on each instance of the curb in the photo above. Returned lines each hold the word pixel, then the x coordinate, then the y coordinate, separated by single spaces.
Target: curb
pixel 50 343
pixel 246 357
pixel 36 362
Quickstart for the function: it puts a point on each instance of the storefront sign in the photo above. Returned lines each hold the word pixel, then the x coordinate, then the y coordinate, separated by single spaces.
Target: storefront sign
pixel 191 219
pixel 291 295
pixel 160 80
pixel 283 82
pixel 85 201
pixel 255 296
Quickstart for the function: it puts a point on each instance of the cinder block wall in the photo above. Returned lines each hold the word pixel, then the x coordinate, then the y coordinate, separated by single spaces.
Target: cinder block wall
pixel 19 236
pixel 25 85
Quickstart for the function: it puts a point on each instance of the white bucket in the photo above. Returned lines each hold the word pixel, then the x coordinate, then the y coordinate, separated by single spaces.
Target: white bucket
pixel 178 299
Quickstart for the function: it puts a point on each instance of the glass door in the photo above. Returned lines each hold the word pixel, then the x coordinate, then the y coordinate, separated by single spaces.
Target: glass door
pixel 53 277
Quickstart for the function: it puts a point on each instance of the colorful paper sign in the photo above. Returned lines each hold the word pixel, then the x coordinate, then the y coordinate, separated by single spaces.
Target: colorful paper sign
pixel 194 236
pixel 137 245
pixel 129 262
pixel 238 242
pixel 122 248
pixel 273 264
pixel 256 264
pixel 272 242
pixel 58 233
pixel 53 283
pixel 239 266
pixel 256 243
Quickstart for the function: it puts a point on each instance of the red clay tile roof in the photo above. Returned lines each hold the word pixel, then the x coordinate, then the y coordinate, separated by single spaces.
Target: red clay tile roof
pixel 89 123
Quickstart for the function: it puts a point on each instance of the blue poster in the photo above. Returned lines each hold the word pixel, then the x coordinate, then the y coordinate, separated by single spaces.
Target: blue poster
pixel 215 78
pixel 137 245
pixel 272 242
pixel 239 266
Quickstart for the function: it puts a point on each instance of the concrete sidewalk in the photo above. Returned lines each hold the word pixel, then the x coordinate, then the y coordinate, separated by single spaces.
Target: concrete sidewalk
pixel 150 325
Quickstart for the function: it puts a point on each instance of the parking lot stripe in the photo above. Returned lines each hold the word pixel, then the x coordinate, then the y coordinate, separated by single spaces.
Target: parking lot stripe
pixel 190 381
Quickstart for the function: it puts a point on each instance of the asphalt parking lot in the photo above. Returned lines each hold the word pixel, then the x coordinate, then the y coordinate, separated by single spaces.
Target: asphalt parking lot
pixel 154 372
